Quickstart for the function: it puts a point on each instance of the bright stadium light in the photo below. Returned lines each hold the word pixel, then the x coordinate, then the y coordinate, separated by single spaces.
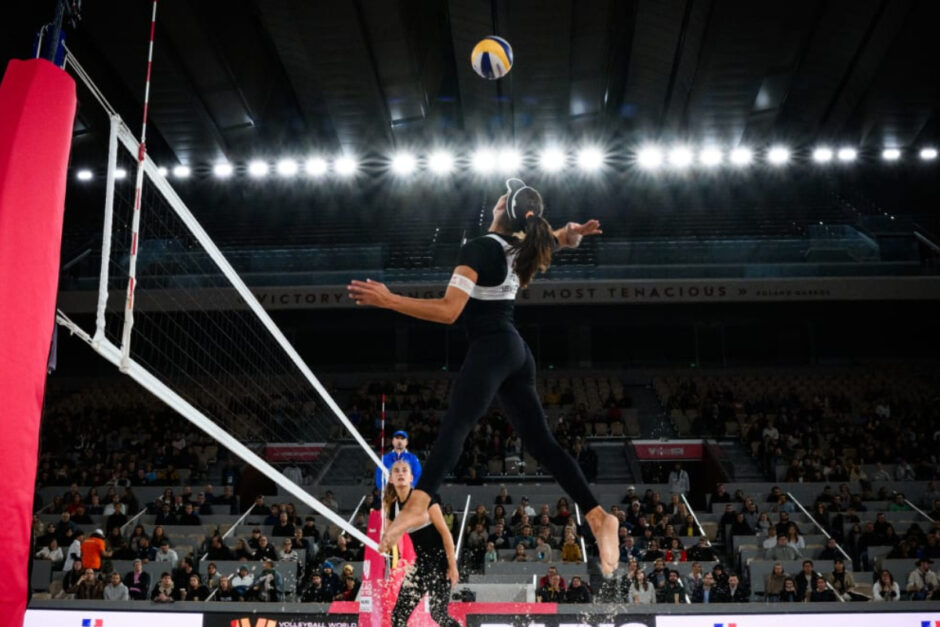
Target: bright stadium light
pixel 649 158
pixel 287 167
pixel 710 156
pixel 440 162
pixel 552 159
pixel 258 168
pixel 680 157
pixel 120 174
pixel 223 170
pixel 508 160
pixel 403 163
pixel 316 166
pixel 590 158
pixel 182 171
pixel 847 154
pixel 928 154
pixel 891 154
pixel 822 155
pixel 778 155
pixel 741 156
pixel 162 171
pixel 84 175
pixel 346 166
pixel 483 161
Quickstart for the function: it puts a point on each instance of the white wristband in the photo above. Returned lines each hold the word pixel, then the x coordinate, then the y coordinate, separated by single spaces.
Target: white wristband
pixel 573 237
pixel 462 283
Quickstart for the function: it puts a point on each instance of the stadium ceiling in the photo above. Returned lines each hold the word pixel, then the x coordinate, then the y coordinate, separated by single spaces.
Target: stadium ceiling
pixel 234 79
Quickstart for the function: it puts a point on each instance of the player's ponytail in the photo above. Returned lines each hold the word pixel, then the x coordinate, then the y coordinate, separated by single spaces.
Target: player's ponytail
pixel 389 497
pixel 534 252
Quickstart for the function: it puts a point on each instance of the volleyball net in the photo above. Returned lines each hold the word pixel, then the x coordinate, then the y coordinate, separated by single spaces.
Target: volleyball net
pixel 174 315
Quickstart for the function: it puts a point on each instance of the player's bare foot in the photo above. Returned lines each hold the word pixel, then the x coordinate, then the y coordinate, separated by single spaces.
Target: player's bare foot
pixel 604 526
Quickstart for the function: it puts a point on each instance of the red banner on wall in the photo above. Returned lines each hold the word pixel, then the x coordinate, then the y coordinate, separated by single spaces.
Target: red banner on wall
pixel 283 452
pixel 668 450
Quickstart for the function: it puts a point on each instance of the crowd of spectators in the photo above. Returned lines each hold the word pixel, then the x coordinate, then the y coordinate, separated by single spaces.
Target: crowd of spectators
pixel 819 436
pixel 520 533
pixel 89 554
pixel 819 427
pixel 492 448
pixel 852 533
pixel 113 434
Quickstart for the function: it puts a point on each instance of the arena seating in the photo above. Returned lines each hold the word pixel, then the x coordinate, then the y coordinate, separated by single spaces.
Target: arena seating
pixel 599 404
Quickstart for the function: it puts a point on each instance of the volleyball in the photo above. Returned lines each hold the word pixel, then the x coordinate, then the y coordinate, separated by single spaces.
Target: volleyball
pixel 492 57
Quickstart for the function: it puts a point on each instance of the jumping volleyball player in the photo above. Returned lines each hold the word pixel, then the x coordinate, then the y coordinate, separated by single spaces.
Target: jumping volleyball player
pixel 435 570
pixel 490 269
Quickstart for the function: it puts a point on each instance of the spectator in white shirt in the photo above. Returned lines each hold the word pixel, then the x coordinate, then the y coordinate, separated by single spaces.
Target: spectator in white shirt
pixel 293 472
pixel 770 432
pixel 886 588
pixel 166 554
pixel 114 506
pixel 904 472
pixel 330 501
pixel 242 582
pixel 679 480
pixel 881 474
pixel 922 581
pixel 53 553
pixel 75 552
pixel 287 551
pixel 771 540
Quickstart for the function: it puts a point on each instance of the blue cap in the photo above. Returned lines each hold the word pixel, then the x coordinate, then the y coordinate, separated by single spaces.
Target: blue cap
pixel 328 565
pixel 400 433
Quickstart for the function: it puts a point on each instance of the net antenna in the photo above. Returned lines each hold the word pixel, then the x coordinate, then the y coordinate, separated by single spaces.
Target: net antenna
pixel 190 331
pixel 138 189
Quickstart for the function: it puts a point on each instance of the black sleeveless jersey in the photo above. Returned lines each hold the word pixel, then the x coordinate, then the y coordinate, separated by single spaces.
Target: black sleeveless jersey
pixel 426 540
pixel 491 304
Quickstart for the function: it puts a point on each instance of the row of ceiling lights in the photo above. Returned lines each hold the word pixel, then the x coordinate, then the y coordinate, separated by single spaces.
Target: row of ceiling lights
pixel 551 160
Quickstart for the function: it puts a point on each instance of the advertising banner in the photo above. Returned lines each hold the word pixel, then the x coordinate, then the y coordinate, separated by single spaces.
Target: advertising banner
pixel 856 619
pixel 102 618
pixel 275 619
pixel 285 452
pixel 632 291
pixel 561 620
pixel 659 450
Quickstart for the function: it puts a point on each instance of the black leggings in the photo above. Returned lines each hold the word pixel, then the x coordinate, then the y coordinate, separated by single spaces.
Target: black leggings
pixel 501 364
pixel 424 579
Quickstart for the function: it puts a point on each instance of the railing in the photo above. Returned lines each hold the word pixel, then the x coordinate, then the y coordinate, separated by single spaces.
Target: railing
pixel 698 524
pixel 701 529
pixel 45 507
pixel 463 526
pixel 915 508
pixel 231 529
pixel 828 537
pixel 818 526
pixel 577 514
pixel 356 510
pixel 142 511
